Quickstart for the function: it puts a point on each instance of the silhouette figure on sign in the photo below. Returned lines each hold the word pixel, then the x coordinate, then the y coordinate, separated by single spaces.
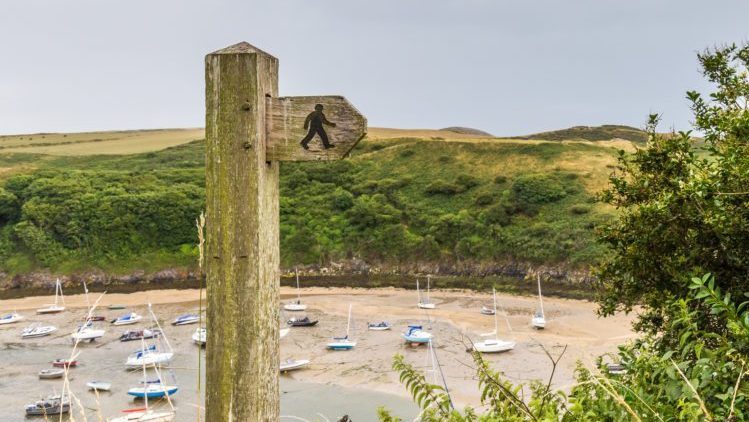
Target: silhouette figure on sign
pixel 314 122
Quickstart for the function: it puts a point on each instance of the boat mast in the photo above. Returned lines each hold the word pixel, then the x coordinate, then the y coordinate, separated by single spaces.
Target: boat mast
pixel 162 334
pixel 428 301
pixel 496 324
pixel 540 298
pixel 62 296
pixel 145 378
pixel 298 294
pixel 418 290
pixel 348 324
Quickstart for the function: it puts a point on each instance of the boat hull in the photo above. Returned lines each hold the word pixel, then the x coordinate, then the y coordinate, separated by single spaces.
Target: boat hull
pixel 295 307
pixel 50 310
pixel 152 393
pixel 426 305
pixel 539 323
pixel 149 359
pixel 375 328
pixel 341 345
pixel 148 416
pixel 494 346
pixel 87 335
pixel 49 374
pixel 294 365
pixel 99 386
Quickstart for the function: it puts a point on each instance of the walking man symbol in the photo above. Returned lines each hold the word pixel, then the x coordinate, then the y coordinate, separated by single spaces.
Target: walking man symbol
pixel 314 122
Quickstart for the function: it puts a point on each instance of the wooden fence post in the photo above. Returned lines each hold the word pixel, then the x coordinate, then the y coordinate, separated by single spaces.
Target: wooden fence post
pixel 242 238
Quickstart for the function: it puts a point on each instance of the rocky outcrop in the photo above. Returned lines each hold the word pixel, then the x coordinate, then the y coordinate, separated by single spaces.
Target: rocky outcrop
pixel 354 272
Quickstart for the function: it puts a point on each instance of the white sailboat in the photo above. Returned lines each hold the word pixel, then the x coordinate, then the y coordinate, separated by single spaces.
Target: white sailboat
pixel 293 364
pixel 343 343
pixel 494 345
pixel 539 319
pixel 54 308
pixel 424 304
pixel 298 305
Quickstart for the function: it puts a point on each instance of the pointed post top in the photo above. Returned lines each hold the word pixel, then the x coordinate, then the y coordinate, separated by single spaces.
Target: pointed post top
pixel 241 48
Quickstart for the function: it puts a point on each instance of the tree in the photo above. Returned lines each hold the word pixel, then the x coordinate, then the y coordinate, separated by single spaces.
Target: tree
pixel 683 202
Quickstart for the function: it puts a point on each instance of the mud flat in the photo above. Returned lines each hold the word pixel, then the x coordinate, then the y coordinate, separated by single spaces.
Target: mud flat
pixel 363 375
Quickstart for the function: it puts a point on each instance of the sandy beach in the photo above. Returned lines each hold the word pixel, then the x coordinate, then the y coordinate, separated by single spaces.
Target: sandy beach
pixel 368 367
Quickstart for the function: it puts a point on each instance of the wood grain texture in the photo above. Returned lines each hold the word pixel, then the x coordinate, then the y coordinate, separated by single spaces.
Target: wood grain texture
pixel 286 128
pixel 242 239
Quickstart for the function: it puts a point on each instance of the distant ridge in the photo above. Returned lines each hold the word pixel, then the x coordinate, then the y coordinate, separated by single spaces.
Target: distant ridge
pixel 466 131
pixel 591 133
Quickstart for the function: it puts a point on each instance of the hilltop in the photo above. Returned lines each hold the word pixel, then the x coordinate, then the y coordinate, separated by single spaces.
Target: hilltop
pixel 592 133
pixel 406 200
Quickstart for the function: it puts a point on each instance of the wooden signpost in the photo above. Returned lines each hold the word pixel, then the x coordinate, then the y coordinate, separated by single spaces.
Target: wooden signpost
pixel 248 131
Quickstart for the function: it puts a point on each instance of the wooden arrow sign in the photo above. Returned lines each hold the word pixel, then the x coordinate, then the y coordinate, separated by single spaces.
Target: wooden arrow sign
pixel 312 128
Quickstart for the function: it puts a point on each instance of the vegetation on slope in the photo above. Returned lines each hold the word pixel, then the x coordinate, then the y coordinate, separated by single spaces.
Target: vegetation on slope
pixel 394 202
pixel 592 133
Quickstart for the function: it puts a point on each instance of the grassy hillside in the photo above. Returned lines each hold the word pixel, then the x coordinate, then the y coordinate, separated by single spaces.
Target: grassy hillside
pixel 396 201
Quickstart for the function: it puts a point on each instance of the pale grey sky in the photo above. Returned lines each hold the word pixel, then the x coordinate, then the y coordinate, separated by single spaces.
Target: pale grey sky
pixel 508 67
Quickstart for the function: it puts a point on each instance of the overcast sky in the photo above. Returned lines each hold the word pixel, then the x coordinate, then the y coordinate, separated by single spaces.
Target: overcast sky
pixel 508 67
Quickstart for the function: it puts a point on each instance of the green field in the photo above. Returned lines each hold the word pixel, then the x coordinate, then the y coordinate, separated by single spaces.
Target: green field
pixel 78 202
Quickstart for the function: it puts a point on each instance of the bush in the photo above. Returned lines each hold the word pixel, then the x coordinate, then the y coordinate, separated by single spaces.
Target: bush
pixel 538 189
pixel 406 153
pixel 580 209
pixel 500 179
pixel 466 181
pixel 440 187
pixel 484 199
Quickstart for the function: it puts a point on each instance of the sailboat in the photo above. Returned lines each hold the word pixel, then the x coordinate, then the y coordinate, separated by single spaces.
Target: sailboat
pixel 494 345
pixel 147 391
pixel 10 318
pixel 53 309
pixel 416 334
pixel 343 343
pixel 38 330
pixel 296 306
pixel 539 319
pixel 427 304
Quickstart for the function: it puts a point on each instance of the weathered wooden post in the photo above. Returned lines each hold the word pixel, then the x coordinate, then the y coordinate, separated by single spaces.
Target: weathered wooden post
pixel 248 131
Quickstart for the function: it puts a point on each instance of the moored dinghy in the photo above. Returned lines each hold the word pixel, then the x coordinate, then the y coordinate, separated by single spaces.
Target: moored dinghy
pixel 343 343
pixel 48 374
pixel 301 322
pixel 379 326
pixel 62 363
pixel 10 318
pixel 494 345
